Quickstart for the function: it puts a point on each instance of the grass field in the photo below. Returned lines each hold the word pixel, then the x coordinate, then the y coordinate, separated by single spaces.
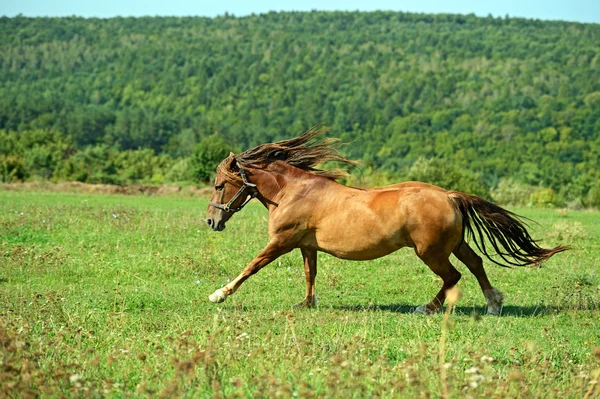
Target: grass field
pixel 106 296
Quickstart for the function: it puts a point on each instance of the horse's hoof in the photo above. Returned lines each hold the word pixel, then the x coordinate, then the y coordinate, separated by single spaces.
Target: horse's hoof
pixel 423 309
pixel 218 296
pixel 494 311
pixel 306 303
pixel 494 298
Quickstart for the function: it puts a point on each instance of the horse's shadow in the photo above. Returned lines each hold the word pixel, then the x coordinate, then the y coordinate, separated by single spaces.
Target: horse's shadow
pixel 508 310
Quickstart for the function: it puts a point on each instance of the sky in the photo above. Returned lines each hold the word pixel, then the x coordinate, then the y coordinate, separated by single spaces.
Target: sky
pixel 573 10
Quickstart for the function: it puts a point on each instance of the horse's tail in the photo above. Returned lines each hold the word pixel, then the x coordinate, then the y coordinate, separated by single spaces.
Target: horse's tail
pixel 504 230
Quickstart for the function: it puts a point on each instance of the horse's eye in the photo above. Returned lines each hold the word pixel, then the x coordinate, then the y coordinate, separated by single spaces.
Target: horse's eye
pixel 219 188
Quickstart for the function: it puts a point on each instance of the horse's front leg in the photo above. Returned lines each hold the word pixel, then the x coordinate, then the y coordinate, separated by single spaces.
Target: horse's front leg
pixel 310 271
pixel 271 252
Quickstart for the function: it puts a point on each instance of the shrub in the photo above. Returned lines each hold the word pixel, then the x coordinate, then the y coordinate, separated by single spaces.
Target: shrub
pixel 510 192
pixel 141 165
pixel 95 164
pixel 543 197
pixel 11 168
pixel 207 155
pixel 179 171
pixel 567 231
pixel 593 196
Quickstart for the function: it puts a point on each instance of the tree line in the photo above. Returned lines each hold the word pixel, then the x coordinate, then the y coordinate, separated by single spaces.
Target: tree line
pixel 488 105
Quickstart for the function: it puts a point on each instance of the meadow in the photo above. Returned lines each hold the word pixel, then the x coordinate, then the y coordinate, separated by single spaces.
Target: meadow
pixel 106 296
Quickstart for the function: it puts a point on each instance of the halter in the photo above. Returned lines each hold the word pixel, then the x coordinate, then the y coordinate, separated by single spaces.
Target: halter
pixel 227 207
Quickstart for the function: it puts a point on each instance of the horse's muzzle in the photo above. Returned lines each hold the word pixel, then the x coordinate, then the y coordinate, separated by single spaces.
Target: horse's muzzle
pixel 216 226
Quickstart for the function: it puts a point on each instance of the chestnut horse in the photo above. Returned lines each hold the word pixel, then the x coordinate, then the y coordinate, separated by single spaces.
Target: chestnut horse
pixel 310 210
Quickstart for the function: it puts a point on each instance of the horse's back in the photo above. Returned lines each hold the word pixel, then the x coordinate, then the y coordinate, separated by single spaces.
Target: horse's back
pixel 415 185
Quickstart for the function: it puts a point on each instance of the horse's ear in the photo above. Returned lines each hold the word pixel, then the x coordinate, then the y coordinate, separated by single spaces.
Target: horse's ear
pixel 232 163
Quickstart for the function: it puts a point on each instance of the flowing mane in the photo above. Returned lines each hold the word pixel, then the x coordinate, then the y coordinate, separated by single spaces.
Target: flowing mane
pixel 304 152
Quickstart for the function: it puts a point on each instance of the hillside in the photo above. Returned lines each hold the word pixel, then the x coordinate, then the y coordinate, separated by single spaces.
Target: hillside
pixel 497 97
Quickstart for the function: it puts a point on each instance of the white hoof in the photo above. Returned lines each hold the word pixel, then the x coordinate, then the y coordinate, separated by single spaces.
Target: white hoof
pixel 423 309
pixel 494 311
pixel 218 296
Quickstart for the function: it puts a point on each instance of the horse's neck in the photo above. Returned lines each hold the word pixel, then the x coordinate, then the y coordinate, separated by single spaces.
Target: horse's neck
pixel 269 186
pixel 273 182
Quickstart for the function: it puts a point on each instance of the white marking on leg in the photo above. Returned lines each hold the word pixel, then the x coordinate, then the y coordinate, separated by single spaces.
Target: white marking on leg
pixel 495 299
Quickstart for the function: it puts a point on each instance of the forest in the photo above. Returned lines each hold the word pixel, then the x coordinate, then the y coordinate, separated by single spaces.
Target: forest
pixel 507 108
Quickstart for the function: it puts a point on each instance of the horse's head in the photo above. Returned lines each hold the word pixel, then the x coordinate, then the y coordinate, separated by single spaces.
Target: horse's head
pixel 231 192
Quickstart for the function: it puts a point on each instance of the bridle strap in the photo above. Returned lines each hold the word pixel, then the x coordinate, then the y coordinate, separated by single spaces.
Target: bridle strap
pixel 227 207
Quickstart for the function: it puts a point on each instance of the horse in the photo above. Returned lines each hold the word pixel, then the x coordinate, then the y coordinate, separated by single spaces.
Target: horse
pixel 309 209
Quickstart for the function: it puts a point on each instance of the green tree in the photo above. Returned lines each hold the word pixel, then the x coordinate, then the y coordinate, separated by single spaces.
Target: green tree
pixel 208 153
pixel 444 174
pixel 501 99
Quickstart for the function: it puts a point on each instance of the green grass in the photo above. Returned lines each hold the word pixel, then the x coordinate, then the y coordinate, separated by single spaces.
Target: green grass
pixel 106 296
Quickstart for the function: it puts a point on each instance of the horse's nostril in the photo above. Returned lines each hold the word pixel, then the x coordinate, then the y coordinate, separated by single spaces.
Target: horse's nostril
pixel 209 222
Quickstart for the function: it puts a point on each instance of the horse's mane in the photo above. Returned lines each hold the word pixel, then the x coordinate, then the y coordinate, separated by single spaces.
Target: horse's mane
pixel 304 152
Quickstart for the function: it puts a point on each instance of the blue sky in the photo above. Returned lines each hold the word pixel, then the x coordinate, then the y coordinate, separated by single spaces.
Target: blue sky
pixel 574 10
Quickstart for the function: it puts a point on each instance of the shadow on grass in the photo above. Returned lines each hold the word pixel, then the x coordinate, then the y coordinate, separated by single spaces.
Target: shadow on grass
pixel 509 310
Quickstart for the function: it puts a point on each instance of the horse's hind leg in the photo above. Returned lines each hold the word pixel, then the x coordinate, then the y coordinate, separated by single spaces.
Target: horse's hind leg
pixel 474 262
pixel 441 266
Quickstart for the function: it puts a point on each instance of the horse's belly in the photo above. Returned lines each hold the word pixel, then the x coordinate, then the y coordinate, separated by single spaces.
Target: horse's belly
pixel 367 254
pixel 358 245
